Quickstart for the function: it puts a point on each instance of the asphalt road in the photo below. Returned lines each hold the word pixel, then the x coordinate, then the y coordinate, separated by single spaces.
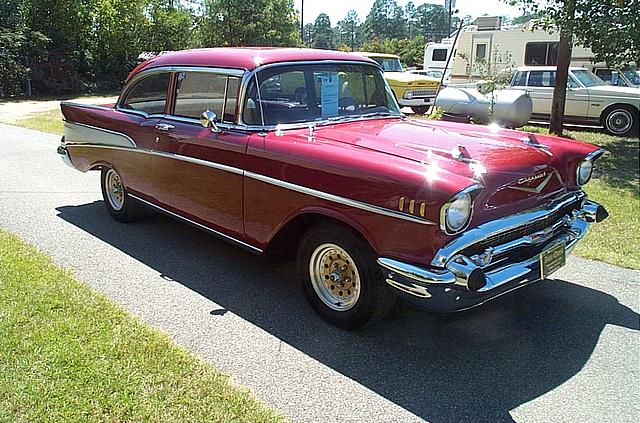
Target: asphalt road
pixel 563 350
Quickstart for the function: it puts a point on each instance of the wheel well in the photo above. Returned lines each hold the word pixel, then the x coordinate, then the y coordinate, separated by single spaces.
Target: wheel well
pixel 606 111
pixel 286 240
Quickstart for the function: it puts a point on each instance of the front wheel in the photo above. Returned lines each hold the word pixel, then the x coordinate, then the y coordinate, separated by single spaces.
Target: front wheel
pixel 119 205
pixel 622 120
pixel 420 110
pixel 340 278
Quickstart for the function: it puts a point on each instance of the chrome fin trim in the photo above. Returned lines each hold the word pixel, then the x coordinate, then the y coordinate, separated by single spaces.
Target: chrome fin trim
pixel 80 133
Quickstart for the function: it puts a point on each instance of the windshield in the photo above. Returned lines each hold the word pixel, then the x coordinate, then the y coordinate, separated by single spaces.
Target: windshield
pixel 389 64
pixel 317 92
pixel 587 78
pixel 633 75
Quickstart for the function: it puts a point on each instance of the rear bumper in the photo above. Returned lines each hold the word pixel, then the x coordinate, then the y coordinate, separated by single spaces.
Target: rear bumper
pixel 457 280
pixel 64 154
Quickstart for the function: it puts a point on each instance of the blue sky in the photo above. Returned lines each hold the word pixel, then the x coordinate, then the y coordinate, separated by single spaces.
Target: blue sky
pixel 337 9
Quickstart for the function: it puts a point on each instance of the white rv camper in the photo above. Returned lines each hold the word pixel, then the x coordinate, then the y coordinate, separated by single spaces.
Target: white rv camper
pixel 488 47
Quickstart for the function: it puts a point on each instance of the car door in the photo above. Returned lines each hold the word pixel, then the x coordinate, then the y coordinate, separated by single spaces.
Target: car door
pixel 197 171
pixel 141 108
pixel 540 87
pixel 577 100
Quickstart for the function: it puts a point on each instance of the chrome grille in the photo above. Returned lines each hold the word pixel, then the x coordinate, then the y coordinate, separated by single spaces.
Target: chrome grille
pixel 424 93
pixel 521 231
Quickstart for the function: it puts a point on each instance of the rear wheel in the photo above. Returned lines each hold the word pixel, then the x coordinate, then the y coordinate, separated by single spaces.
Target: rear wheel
pixel 119 205
pixel 340 277
pixel 621 120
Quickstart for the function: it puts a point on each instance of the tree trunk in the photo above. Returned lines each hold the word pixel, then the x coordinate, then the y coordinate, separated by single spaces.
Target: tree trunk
pixel 562 71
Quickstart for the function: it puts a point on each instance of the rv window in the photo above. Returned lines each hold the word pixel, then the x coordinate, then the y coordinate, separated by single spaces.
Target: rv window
pixel 543 54
pixel 439 55
pixel 481 51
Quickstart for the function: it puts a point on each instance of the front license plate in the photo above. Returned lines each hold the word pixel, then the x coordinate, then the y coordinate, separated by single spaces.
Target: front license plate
pixel 552 259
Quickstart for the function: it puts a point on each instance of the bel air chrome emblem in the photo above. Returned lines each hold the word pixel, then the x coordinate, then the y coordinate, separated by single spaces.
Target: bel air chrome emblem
pixel 543 177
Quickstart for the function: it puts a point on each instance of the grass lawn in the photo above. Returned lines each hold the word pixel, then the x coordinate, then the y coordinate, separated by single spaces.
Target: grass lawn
pixel 69 354
pixel 615 184
pixel 47 121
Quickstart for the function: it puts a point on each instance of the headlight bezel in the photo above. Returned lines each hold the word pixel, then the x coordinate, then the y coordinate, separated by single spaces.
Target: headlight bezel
pixel 469 194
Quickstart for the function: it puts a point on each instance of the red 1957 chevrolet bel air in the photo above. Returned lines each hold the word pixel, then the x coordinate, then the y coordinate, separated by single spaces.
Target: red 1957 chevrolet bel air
pixel 309 147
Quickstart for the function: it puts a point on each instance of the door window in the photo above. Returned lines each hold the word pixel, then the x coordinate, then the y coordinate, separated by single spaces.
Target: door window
pixel 148 95
pixel 199 91
pixel 519 79
pixel 542 78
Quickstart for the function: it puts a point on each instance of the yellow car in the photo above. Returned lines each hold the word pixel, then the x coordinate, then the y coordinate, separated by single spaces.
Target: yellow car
pixel 411 90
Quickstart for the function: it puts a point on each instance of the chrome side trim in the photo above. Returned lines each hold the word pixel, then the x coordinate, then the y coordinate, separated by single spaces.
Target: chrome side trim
pixel 193 160
pixel 338 199
pixel 80 133
pixel 298 188
pixel 499 226
pixel 199 225
pixel 86 106
pixel 200 162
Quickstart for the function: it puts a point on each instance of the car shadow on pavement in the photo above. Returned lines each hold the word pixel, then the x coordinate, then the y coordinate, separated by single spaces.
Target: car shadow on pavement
pixel 472 366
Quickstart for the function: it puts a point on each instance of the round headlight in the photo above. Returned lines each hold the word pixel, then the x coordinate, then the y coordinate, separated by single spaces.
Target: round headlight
pixel 583 172
pixel 408 94
pixel 458 211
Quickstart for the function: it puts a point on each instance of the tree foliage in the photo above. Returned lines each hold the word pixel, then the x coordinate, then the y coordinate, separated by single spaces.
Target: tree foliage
pixel 322 33
pixel 611 28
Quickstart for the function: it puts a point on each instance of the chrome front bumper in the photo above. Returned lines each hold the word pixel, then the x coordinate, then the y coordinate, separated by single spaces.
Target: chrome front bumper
pixel 495 257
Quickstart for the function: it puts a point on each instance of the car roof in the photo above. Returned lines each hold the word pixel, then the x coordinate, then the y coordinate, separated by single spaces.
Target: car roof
pixel 546 68
pixel 369 54
pixel 247 58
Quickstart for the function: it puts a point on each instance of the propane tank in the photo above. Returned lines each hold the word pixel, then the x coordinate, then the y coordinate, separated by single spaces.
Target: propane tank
pixel 511 108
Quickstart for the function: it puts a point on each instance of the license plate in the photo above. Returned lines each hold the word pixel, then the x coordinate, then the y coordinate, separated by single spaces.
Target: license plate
pixel 552 259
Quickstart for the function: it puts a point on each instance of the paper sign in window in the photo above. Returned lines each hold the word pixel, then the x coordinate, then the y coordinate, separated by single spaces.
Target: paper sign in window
pixel 329 94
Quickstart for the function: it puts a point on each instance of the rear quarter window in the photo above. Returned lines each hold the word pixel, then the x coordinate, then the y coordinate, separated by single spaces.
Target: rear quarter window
pixel 148 95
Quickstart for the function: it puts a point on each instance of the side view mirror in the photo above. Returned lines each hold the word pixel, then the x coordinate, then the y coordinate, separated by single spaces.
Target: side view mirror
pixel 209 119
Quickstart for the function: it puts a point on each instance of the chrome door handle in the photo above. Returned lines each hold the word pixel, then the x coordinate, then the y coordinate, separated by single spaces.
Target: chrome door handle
pixel 164 127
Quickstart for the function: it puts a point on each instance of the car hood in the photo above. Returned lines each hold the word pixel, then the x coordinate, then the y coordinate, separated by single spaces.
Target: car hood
pixel 509 169
pixel 409 79
pixel 617 92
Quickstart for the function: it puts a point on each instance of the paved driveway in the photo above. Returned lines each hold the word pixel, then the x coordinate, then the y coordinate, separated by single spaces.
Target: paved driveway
pixel 561 350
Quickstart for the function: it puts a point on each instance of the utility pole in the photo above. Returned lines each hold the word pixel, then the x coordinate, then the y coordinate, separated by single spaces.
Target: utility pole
pixel 302 21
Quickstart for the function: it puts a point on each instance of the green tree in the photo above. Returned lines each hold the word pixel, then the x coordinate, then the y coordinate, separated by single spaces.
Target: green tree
pixel 385 20
pixel 249 23
pixel 350 30
pixel 431 21
pixel 170 26
pixel 322 33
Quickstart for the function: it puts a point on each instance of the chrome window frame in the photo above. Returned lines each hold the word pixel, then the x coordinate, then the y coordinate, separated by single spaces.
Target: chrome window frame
pixel 254 74
pixel 235 72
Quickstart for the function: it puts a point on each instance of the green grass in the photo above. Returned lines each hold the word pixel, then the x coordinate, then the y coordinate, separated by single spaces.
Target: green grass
pixel 69 354
pixel 48 121
pixel 615 184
